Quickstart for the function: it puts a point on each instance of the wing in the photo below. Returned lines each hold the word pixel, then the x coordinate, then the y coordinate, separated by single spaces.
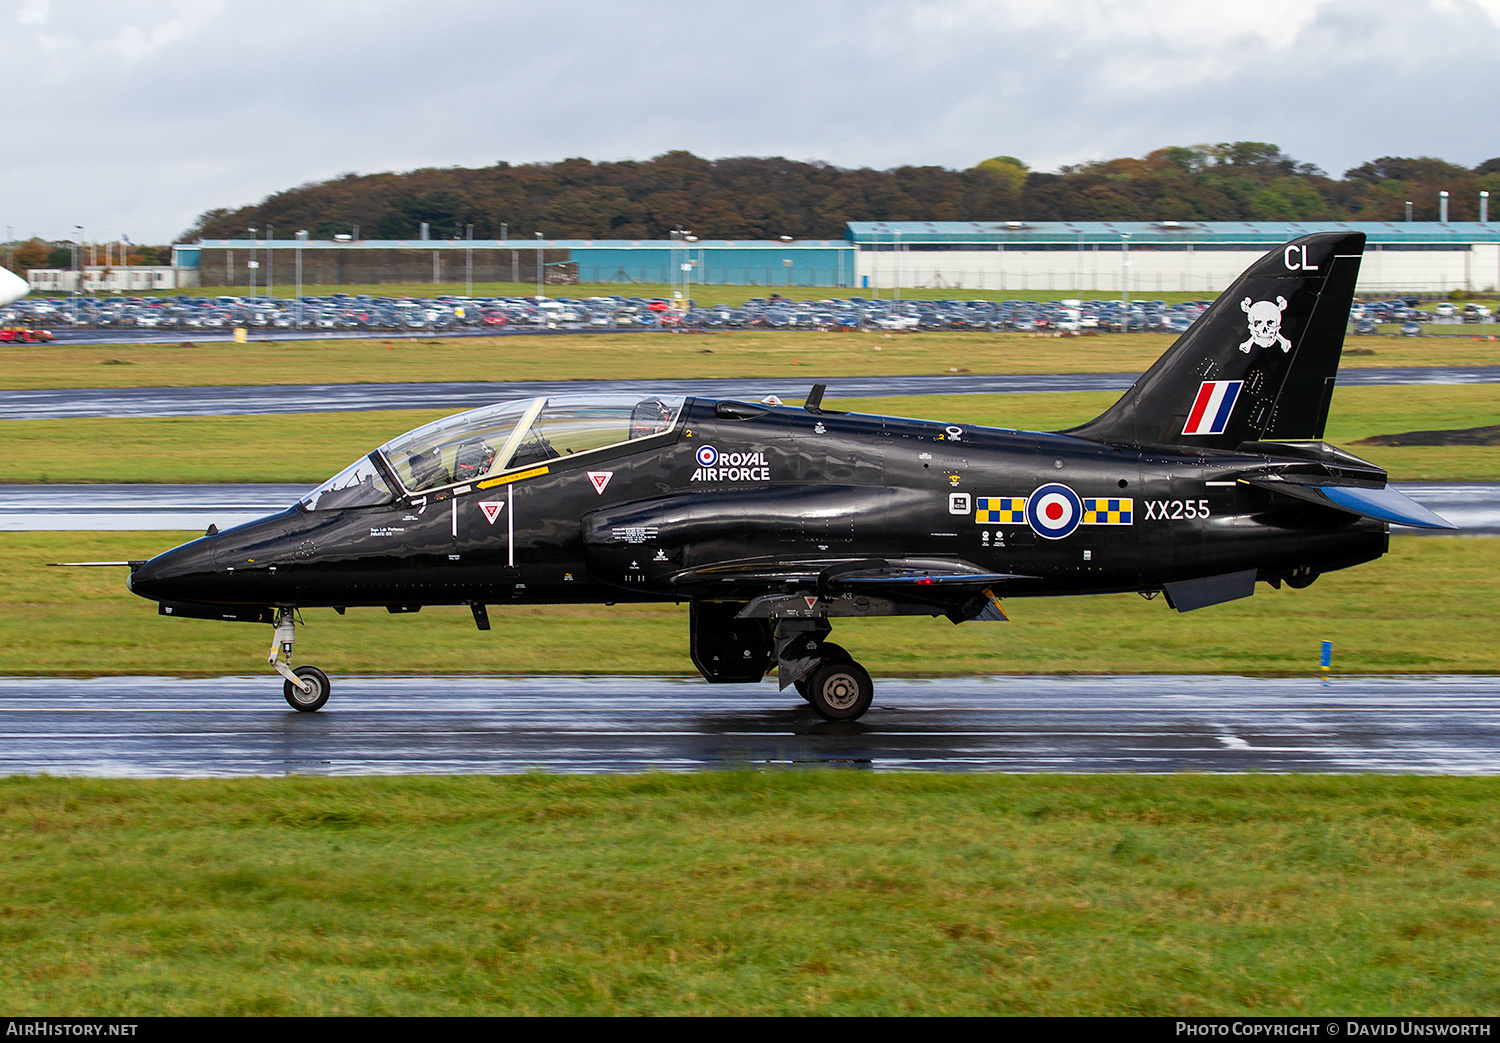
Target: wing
pixel 835 577
pixel 791 540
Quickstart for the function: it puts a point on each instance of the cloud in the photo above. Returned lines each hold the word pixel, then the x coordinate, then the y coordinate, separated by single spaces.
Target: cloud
pixel 138 117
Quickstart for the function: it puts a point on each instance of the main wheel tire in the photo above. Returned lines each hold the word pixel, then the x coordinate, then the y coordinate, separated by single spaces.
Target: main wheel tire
pixel 840 691
pixel 830 653
pixel 833 653
pixel 301 701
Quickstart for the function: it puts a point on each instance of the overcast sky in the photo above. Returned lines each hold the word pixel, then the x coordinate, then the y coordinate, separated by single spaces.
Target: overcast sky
pixel 136 117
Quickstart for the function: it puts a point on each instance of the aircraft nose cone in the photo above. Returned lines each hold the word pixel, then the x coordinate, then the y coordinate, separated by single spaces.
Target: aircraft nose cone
pixel 181 574
pixel 12 287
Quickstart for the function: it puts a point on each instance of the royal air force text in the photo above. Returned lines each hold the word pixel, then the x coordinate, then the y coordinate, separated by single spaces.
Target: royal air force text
pixel 735 467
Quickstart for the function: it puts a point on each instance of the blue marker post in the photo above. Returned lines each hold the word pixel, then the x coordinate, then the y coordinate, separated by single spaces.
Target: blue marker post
pixel 1327 658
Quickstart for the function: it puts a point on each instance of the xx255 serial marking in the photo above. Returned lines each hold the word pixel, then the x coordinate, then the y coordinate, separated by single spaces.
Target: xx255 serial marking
pixel 1176 510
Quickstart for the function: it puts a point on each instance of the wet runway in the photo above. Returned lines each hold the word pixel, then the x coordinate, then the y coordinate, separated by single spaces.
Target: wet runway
pixel 236 726
pixel 1473 506
pixel 51 404
pixel 127 508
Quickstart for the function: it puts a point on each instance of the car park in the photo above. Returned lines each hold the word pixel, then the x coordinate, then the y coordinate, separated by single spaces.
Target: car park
pixel 348 313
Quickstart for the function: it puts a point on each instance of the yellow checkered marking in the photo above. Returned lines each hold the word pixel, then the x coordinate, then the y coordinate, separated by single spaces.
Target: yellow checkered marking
pixel 1000 510
pixel 1108 511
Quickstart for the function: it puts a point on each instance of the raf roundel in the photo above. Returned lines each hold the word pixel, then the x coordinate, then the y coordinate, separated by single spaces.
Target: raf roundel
pixel 707 456
pixel 1054 511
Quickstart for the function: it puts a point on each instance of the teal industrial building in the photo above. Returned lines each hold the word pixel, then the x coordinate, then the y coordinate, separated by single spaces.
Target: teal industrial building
pixel 1088 257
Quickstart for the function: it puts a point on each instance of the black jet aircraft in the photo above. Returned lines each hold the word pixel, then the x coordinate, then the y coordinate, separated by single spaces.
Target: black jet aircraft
pixel 1207 476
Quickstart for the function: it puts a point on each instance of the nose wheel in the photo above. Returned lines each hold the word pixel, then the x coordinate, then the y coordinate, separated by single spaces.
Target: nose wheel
pixel 297 695
pixel 306 687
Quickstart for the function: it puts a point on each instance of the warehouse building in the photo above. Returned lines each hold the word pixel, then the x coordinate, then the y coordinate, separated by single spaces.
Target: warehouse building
pixel 1156 257
pixel 225 262
pixel 1091 257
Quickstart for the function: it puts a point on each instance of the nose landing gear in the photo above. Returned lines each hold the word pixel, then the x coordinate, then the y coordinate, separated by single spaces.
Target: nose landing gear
pixel 309 698
pixel 306 687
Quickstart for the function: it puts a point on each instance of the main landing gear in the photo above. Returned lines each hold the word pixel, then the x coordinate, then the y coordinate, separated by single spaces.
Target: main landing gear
pixel 834 685
pixel 827 651
pixel 839 690
pixel 306 687
pixel 736 643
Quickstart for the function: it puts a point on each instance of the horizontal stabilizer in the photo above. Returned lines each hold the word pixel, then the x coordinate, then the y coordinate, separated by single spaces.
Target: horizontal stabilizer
pixel 1382 504
pixel 1387 504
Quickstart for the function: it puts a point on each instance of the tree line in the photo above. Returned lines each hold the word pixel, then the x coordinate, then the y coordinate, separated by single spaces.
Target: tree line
pixel 749 198
pixel 39 253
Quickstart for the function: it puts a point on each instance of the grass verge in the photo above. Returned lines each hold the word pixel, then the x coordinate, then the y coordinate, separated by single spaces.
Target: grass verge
pixel 636 356
pixel 311 447
pixel 752 893
pixel 1425 607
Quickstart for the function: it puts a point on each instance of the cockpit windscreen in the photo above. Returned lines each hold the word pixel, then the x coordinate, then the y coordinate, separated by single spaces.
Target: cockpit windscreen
pixel 472 446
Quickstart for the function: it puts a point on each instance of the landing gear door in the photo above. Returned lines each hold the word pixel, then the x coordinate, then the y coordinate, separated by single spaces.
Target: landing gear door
pixel 727 650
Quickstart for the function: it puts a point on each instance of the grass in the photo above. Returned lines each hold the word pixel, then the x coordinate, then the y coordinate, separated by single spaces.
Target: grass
pixel 734 893
pixel 640 356
pixel 751 893
pixel 311 447
pixel 1426 607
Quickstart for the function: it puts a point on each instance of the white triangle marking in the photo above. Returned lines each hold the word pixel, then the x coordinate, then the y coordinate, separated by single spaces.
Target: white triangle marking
pixel 492 509
pixel 600 479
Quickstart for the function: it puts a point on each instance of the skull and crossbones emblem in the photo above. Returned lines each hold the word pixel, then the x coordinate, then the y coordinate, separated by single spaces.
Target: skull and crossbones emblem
pixel 1265 324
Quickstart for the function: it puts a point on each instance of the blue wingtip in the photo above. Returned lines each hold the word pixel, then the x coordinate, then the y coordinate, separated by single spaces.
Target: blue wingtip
pixel 1386 504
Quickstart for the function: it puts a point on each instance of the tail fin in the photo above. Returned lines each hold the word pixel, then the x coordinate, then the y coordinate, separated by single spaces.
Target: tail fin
pixel 1259 364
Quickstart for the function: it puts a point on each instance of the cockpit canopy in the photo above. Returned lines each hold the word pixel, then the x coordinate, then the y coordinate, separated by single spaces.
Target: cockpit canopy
pixel 492 440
